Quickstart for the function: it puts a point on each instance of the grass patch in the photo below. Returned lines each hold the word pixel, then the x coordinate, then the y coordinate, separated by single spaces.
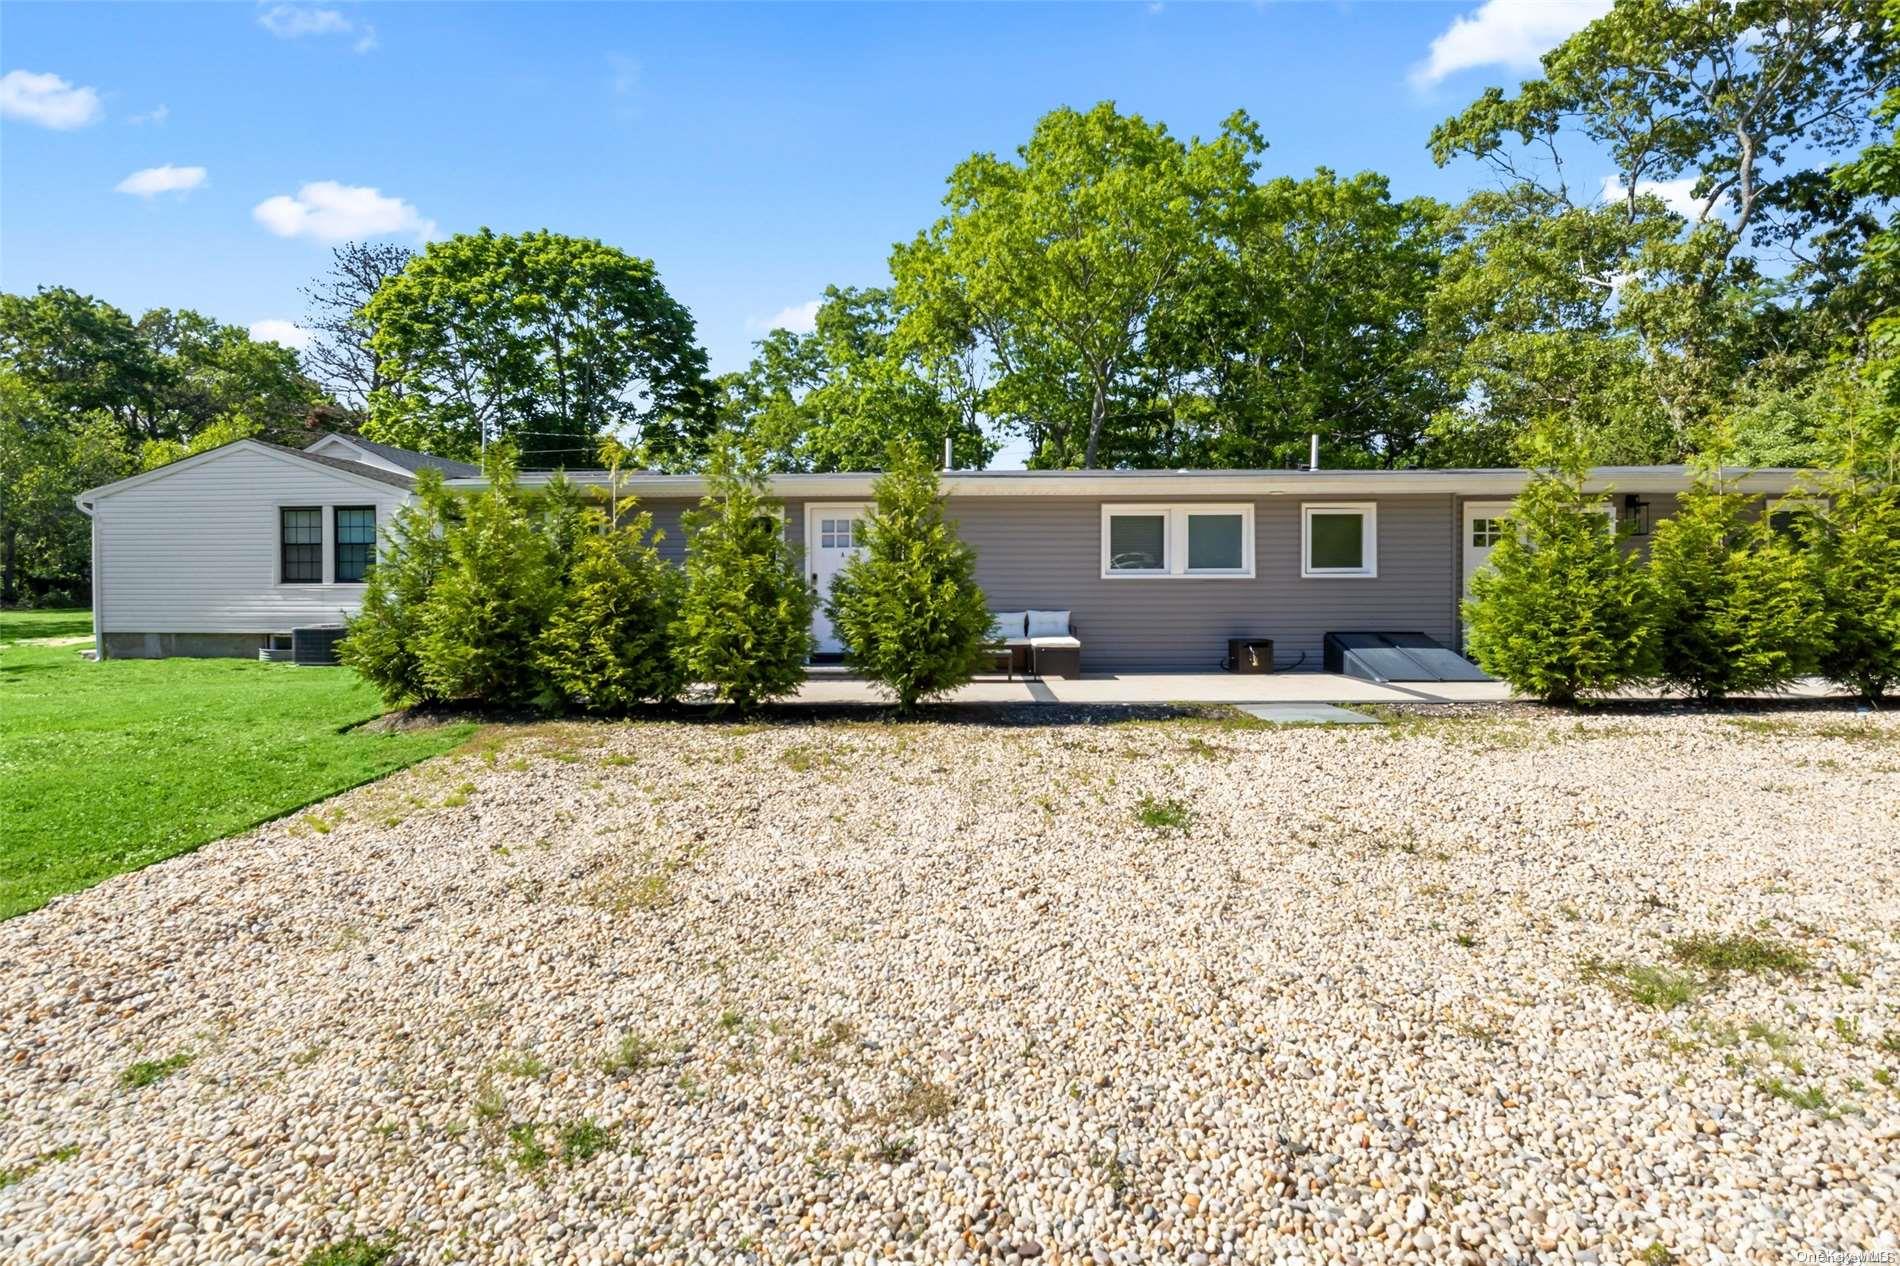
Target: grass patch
pixel 151 1071
pixel 1752 955
pixel 1648 986
pixel 105 768
pixel 1164 815
pixel 355 1251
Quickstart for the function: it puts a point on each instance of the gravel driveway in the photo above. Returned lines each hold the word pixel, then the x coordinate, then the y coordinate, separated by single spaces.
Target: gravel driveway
pixel 1155 992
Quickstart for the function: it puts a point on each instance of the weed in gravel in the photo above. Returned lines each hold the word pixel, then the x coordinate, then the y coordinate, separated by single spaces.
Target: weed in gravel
pixel 528 1151
pixel 1753 955
pixel 1847 1029
pixel 1641 983
pixel 581 1141
pixel 633 1054
pixel 1849 979
pixel 1164 815
pixel 491 1106
pixel 731 1021
pixel 1466 939
pixel 921 1101
pixel 1813 1098
pixel 21 1172
pixel 355 1251
pixel 1657 1254
pixel 147 1072
pixel 521 1064
pixel 892 1150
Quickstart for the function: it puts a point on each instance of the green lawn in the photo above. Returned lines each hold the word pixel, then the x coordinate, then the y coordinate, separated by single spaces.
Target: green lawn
pixel 108 767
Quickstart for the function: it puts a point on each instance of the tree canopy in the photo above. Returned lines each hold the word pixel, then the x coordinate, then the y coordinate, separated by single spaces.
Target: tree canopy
pixel 545 340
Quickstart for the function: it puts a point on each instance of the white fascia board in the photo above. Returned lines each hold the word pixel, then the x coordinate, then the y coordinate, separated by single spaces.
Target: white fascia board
pixel 1193 483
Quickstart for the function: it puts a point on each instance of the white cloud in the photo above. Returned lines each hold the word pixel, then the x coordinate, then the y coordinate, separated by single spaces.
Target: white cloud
pixel 48 101
pixel 152 181
pixel 1509 33
pixel 332 212
pixel 277 330
pixel 1676 193
pixel 800 318
pixel 295 21
pixel 155 116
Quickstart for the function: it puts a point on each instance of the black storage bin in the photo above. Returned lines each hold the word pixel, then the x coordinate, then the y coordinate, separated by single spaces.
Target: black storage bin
pixel 1249 655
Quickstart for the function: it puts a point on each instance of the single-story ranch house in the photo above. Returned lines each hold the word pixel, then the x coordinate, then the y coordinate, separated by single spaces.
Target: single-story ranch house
pixel 224 551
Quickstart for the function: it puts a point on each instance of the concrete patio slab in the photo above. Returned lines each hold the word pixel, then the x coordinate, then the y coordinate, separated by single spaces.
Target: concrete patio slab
pixel 830 685
pixel 1306 714
pixel 833 685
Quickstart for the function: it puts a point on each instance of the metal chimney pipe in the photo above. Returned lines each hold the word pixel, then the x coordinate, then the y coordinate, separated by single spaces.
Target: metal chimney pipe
pixel 1312 462
pixel 947 450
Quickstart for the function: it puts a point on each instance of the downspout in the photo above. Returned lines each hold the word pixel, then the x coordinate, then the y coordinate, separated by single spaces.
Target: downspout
pixel 98 636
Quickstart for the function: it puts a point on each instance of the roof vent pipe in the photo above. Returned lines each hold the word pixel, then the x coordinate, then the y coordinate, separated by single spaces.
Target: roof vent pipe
pixel 1312 462
pixel 947 460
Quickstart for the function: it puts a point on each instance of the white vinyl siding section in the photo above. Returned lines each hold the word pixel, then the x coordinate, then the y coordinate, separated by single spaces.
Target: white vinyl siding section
pixel 198 551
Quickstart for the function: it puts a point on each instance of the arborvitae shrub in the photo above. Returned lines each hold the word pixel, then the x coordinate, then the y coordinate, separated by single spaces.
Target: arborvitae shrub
pixel 908 608
pixel 1561 613
pixel 489 605
pixel 384 642
pixel 1856 551
pixel 608 646
pixel 744 626
pixel 1735 605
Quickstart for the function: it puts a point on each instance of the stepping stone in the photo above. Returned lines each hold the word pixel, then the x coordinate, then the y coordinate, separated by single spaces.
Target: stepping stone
pixel 1306 714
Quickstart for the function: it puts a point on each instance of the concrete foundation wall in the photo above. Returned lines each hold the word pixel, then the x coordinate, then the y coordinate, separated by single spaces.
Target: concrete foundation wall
pixel 186 645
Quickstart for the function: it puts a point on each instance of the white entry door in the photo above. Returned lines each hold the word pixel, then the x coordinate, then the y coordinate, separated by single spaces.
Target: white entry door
pixel 1484 528
pixel 833 535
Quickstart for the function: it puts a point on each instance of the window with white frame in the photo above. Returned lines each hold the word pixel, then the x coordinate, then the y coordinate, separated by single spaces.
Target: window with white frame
pixel 1339 539
pixel 1207 540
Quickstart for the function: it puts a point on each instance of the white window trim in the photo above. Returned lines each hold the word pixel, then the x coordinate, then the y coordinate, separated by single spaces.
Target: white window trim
pixel 1369 514
pixel 1174 539
pixel 327 509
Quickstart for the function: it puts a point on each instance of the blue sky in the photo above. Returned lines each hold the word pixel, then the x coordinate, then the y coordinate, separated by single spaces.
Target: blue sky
pixel 755 153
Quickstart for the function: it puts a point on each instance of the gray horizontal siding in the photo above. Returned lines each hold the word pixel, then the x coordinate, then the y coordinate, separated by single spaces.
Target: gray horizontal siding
pixel 668 520
pixel 1046 553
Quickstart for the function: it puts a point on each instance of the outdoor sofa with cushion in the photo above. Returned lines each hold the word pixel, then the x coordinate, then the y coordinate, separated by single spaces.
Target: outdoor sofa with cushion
pixel 1037 642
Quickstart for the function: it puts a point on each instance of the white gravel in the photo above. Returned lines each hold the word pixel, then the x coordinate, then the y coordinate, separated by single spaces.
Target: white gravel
pixel 932 992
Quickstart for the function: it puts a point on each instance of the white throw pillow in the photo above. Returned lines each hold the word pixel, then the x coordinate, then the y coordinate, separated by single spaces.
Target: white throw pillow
pixel 1048 624
pixel 1006 624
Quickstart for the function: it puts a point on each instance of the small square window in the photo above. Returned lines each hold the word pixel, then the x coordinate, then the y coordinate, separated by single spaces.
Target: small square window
pixel 1486 531
pixel 1339 540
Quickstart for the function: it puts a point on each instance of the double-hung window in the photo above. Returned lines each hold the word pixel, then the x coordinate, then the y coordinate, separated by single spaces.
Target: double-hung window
pixel 355 543
pixel 1339 539
pixel 300 542
pixel 1177 540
